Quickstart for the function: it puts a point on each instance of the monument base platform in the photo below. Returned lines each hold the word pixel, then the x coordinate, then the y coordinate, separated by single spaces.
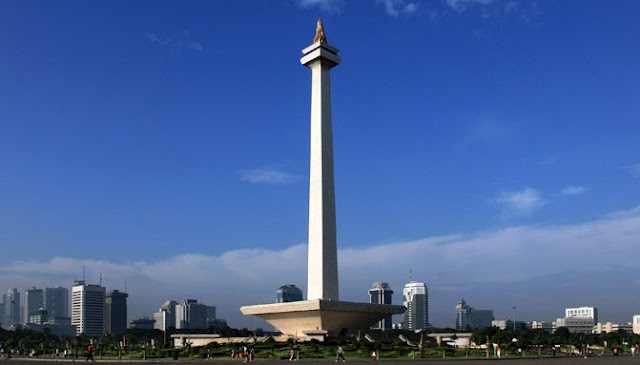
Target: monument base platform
pixel 314 319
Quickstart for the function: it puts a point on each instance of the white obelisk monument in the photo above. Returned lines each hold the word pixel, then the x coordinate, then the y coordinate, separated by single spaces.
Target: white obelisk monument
pixel 320 57
pixel 322 315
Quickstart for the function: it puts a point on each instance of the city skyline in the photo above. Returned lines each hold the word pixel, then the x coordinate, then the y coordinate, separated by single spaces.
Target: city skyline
pixel 581 312
pixel 490 146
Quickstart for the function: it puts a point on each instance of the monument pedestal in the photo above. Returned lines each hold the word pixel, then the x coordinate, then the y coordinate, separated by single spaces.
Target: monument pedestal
pixel 318 318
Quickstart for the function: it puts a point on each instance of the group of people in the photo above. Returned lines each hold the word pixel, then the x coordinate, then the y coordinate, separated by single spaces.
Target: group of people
pixel 65 353
pixel 497 351
pixel 2 353
pixel 248 353
pixel 294 355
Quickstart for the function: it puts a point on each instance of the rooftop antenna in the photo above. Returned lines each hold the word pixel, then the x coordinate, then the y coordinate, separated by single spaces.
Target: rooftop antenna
pixel 125 284
pixel 82 272
pixel 410 276
pixel 100 278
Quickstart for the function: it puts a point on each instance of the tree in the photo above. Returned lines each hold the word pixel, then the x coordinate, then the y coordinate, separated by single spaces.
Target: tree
pixel 481 335
pixel 563 334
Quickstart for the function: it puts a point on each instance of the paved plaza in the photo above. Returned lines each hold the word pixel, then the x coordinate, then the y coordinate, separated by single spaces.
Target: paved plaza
pixel 603 360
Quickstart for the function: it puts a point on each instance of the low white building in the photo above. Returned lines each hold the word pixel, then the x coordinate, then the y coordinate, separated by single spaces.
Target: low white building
pixel 582 312
pixel 192 340
pixel 579 320
pixel 506 323
pixel 548 327
pixel 609 327
pixel 576 325
pixel 500 323
pixel 636 324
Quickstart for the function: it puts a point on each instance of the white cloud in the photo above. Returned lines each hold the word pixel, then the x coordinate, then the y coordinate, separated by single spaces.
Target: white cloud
pixel 399 7
pixel 451 265
pixel 526 10
pixel 269 176
pixel 519 203
pixel 172 43
pixel 193 45
pixel 574 190
pixel 634 170
pixel 462 5
pixel 625 213
pixel 327 5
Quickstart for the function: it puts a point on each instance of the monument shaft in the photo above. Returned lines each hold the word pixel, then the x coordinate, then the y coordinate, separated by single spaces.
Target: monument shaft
pixel 323 256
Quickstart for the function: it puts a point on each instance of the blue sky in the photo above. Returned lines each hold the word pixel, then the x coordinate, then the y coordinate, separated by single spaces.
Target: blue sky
pixel 488 145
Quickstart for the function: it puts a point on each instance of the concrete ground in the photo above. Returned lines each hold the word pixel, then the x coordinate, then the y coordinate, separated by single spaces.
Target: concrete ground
pixel 604 360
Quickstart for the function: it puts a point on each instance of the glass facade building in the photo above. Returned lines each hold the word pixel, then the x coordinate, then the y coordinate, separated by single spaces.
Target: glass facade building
pixel 381 293
pixel 288 293
pixel 470 318
pixel 11 302
pixel 116 312
pixel 56 302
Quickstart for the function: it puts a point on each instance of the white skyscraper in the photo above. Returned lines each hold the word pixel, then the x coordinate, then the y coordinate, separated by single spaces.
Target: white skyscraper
pixel 87 308
pixel 416 300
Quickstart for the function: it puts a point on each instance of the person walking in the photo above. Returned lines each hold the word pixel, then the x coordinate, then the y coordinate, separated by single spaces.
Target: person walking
pixel 89 353
pixel 340 354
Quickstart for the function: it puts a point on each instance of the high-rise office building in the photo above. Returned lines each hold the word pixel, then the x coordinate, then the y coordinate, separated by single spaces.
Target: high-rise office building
pixel 381 293
pixel 468 317
pixel 87 308
pixel 33 301
pixel 56 302
pixel 165 317
pixel 190 314
pixel 115 312
pixel 416 299
pixel 11 302
pixel 211 315
pixel 288 293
